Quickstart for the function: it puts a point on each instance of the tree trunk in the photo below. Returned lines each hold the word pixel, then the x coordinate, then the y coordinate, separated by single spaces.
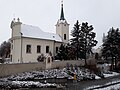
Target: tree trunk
pixel 112 63
pixel 85 50
pixel 115 63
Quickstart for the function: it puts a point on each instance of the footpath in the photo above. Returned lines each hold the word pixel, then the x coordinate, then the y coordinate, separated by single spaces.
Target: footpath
pixel 82 85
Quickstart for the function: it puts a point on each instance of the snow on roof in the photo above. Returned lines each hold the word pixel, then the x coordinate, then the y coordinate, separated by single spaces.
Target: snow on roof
pixel 36 32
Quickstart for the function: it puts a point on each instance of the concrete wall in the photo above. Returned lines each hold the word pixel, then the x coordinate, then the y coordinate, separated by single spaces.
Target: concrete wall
pixel 62 64
pixel 9 69
pixel 91 61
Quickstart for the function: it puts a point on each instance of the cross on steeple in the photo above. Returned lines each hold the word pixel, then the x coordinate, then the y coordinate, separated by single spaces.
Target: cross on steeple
pixel 61 1
pixel 62 12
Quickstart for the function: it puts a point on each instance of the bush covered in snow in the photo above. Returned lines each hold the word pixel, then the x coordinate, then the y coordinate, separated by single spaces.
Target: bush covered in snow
pixel 48 78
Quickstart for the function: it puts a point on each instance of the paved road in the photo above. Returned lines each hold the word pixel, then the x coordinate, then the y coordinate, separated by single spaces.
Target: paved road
pixel 83 84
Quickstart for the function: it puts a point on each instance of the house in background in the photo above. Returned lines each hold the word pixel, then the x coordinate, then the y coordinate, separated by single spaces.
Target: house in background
pixel 28 42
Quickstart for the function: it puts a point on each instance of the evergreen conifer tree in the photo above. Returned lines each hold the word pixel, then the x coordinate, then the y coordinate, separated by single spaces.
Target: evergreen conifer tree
pixel 62 53
pixel 83 40
pixel 111 46
pixel 88 39
pixel 5 49
pixel 76 41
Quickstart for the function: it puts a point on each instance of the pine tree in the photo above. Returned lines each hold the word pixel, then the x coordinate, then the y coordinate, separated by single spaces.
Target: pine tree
pixel 71 52
pixel 5 49
pixel 62 54
pixel 111 46
pixel 88 39
pixel 83 40
pixel 76 41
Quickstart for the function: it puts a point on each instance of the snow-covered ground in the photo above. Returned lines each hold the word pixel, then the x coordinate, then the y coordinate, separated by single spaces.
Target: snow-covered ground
pixel 48 78
pixel 110 74
pixel 43 78
pixel 110 85
pixel 113 87
pixel 81 74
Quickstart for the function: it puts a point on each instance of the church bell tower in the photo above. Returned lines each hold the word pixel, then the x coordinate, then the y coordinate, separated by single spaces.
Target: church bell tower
pixel 62 27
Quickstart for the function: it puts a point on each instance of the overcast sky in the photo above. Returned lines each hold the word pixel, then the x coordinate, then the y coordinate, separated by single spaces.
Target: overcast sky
pixel 102 14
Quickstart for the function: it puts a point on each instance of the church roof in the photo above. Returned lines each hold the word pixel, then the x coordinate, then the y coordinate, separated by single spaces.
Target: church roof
pixel 36 32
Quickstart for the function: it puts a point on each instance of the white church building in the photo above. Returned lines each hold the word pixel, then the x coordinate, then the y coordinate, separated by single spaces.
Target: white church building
pixel 28 42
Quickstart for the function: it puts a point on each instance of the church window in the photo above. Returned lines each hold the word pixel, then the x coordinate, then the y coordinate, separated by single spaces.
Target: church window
pixel 56 49
pixel 47 49
pixel 64 36
pixel 65 25
pixel 38 49
pixel 28 49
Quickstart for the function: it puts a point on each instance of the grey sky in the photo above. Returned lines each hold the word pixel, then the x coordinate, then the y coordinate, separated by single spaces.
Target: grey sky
pixel 102 14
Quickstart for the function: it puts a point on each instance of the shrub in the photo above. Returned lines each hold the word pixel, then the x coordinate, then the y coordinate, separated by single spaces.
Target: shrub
pixel 93 68
pixel 41 58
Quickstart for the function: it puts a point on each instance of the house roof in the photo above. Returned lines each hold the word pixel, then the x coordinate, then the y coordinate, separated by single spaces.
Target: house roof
pixel 36 32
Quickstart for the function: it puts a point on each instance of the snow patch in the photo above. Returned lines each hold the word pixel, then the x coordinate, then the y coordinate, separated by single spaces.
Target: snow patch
pixel 110 75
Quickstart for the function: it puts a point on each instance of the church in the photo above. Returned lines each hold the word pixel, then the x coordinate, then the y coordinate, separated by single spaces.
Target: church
pixel 28 42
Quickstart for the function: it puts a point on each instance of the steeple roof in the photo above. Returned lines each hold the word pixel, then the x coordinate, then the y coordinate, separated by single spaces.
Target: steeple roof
pixel 62 12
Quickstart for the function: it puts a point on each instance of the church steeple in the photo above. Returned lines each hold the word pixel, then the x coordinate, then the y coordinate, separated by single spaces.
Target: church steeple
pixel 62 12
pixel 62 27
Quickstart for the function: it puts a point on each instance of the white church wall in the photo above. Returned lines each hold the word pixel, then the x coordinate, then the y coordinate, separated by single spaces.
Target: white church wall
pixel 16 30
pixel 18 57
pixel 32 57
pixel 16 51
